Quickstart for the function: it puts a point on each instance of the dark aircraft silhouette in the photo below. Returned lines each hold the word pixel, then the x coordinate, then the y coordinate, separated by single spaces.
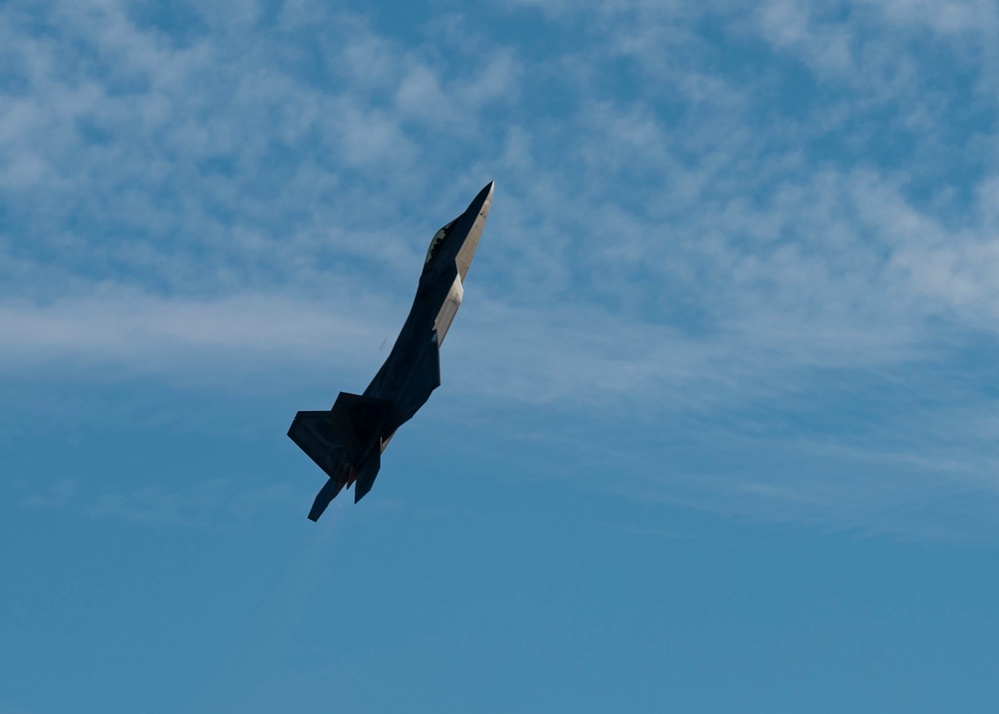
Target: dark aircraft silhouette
pixel 348 440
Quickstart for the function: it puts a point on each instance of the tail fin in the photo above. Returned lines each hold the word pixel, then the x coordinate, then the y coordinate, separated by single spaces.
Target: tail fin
pixel 344 439
pixel 366 475
pixel 326 494
pixel 359 421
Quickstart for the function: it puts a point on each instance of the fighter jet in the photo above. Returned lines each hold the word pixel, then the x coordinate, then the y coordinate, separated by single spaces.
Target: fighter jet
pixel 347 441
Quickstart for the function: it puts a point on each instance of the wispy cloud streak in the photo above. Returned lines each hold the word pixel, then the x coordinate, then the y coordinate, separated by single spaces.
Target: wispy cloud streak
pixel 738 210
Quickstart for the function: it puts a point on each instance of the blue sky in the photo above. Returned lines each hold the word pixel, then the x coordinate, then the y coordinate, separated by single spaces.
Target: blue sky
pixel 717 430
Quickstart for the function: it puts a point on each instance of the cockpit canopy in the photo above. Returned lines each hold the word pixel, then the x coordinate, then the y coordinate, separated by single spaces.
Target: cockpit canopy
pixel 440 237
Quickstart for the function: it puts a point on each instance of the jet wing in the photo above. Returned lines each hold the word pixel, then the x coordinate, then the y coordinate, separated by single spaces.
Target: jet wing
pixel 424 379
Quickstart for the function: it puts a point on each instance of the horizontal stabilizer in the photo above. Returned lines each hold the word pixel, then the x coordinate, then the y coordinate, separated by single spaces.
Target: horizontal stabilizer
pixel 316 435
pixel 343 441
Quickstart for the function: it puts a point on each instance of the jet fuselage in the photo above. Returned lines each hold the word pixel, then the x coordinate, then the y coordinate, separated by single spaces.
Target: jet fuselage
pixel 347 441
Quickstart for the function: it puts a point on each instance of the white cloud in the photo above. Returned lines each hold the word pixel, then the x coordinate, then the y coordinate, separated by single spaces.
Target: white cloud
pixel 673 223
pixel 147 334
pixel 946 17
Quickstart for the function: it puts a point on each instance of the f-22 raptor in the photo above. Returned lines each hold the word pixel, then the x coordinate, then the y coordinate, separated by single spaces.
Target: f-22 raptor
pixel 347 441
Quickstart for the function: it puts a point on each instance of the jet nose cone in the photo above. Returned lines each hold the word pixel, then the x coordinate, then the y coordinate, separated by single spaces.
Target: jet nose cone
pixel 475 214
pixel 485 199
pixel 478 209
pixel 485 195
